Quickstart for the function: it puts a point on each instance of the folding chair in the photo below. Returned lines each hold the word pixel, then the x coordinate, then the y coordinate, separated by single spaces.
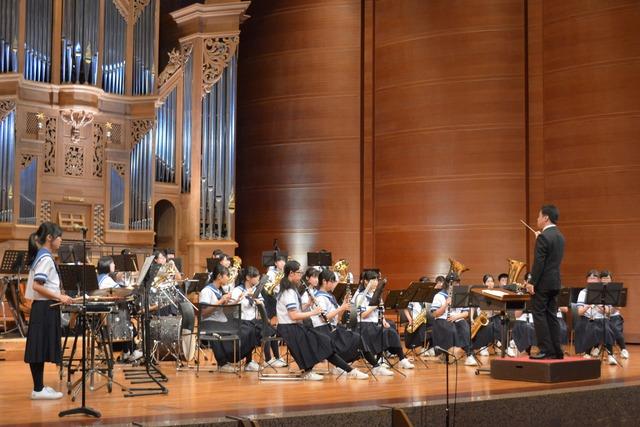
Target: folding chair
pixel 225 328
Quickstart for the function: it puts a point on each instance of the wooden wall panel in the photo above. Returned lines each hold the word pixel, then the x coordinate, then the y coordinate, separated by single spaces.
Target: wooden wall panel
pixel 592 159
pixel 299 129
pixel 449 137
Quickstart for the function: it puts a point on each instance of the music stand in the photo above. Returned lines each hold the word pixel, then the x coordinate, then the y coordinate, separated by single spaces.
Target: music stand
pixel 604 294
pixel 322 259
pixel 72 276
pixel 339 291
pixel 15 263
pixel 65 254
pixel 393 299
pixel 269 257
pixel 202 279
pixel 126 262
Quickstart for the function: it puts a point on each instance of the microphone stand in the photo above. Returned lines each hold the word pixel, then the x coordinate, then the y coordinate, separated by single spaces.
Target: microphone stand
pixel 446 359
pixel 83 409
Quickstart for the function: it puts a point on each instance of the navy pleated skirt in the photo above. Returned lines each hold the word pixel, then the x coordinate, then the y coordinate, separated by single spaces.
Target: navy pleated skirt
pixel 44 334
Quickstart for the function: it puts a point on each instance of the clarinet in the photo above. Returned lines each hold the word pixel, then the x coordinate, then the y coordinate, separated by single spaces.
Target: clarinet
pixel 323 316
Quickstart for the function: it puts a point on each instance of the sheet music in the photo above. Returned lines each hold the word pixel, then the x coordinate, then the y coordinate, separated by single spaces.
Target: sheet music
pixel 494 292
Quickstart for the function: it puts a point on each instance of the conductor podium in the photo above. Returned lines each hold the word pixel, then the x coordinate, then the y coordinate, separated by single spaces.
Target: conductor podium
pixel 545 370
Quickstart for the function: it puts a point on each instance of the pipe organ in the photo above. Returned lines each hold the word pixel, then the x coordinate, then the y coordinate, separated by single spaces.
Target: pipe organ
pixel 92 130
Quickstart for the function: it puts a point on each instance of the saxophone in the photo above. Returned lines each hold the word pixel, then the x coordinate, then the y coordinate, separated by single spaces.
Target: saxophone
pixel 481 320
pixel 418 321
pixel 270 287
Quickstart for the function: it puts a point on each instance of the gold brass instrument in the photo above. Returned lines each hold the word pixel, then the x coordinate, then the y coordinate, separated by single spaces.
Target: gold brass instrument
pixel 270 287
pixel 458 268
pixel 480 321
pixel 342 268
pixel 166 273
pixel 515 269
pixel 234 269
pixel 418 321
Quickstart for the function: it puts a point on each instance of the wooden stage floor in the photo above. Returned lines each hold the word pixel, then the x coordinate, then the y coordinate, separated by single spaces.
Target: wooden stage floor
pixel 215 395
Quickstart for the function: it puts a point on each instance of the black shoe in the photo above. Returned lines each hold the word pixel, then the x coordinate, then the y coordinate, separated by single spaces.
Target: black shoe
pixel 540 356
pixel 558 356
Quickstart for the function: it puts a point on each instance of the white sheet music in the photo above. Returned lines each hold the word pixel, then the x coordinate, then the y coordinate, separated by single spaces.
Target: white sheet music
pixel 494 292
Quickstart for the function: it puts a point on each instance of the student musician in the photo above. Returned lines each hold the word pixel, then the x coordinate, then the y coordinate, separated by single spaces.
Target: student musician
pixel 270 307
pixel 419 337
pixel 592 326
pixel 503 280
pixel 492 333
pixel 616 320
pixel 307 345
pixel 440 282
pixel 212 297
pixel 106 271
pixel 242 294
pixel 348 344
pixel 43 287
pixel 375 336
pixel 170 254
pixel 451 328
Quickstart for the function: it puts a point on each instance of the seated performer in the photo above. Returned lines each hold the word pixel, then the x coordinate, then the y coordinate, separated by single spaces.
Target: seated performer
pixel 106 270
pixel 306 345
pixel 440 282
pixel 211 313
pixel 242 293
pixel 592 327
pixel 615 319
pixel 492 333
pixel 348 344
pixel 503 280
pixel 451 328
pixel 170 253
pixel 270 308
pixel 419 337
pixel 377 333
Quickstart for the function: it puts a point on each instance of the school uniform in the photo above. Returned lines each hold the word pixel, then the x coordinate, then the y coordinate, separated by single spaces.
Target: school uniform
pixel 617 325
pixel 348 344
pixel 590 328
pixel 375 337
pixel 43 336
pixel 450 334
pixel 249 312
pixel 106 282
pixel 307 346
pixel 417 338
pixel 223 351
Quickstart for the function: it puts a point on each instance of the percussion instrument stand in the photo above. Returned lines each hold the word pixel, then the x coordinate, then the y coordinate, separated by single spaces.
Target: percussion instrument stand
pixel 83 409
pixel 151 372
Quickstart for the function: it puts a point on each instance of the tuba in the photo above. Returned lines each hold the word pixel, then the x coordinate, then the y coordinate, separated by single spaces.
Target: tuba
pixel 515 268
pixel 342 268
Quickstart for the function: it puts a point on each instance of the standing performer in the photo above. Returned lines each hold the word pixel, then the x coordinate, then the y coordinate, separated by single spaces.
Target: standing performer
pixel 43 287
pixel 545 284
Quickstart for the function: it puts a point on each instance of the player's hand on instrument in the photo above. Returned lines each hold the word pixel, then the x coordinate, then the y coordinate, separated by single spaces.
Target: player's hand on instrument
pixel 316 310
pixel 66 299
pixel 225 298
pixel 529 287
pixel 385 323
pixel 448 301
pixel 537 233
pixel 346 305
pixel 452 318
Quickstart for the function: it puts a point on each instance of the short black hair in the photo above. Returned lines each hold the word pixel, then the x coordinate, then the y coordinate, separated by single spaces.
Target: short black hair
pixel 605 273
pixel 593 273
pixel 502 275
pixel 440 279
pixel 104 265
pixel 486 277
pixel 170 251
pixel 551 211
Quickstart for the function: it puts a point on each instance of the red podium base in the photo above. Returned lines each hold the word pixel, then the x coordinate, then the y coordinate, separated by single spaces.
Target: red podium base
pixel 546 370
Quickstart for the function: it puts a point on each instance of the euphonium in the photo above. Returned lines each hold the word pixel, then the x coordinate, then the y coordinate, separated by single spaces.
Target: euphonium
pixel 270 287
pixel 418 321
pixel 480 321
pixel 166 273
pixel 456 267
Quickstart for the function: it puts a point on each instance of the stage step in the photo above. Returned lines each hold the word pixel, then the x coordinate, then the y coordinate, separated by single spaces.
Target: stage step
pixel 546 370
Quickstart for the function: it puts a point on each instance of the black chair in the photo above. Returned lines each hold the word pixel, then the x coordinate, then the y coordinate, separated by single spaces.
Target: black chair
pixel 220 330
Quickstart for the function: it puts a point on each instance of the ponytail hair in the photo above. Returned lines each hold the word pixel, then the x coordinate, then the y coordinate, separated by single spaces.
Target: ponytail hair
pixel 39 238
pixel 218 271
pixel 289 267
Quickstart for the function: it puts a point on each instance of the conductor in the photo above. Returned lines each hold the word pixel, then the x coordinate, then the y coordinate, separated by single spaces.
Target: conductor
pixel 545 284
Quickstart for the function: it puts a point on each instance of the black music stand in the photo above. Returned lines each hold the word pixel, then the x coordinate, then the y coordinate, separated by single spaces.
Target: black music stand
pixel 65 254
pixel 269 257
pixel 126 262
pixel 151 373
pixel 15 263
pixel 340 291
pixel 321 259
pixel 83 409
pixel 605 294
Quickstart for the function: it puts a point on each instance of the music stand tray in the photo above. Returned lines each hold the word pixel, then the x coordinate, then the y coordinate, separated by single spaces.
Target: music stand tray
pixel 604 293
pixel 14 262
